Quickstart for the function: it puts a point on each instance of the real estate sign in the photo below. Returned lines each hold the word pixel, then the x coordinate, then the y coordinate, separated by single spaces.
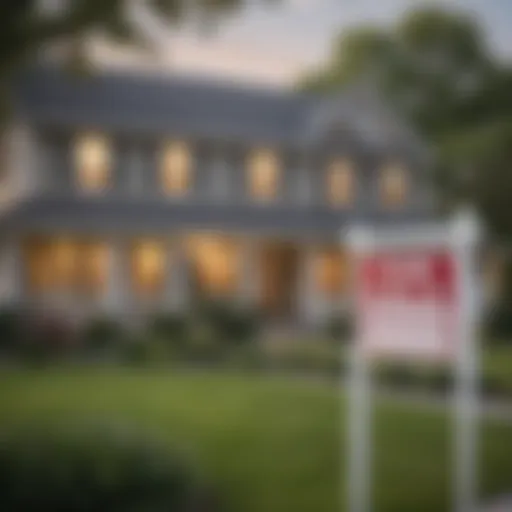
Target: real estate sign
pixel 415 292
pixel 407 303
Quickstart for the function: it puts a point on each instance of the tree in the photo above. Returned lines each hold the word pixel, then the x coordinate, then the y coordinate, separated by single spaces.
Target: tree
pixel 435 68
pixel 27 26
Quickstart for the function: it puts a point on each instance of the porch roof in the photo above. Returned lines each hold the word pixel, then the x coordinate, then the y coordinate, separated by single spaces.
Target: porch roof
pixel 161 216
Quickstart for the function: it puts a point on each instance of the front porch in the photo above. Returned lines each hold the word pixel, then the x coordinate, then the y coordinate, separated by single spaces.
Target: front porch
pixel 290 282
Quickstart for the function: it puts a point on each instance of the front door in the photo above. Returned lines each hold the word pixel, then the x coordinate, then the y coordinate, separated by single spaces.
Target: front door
pixel 279 276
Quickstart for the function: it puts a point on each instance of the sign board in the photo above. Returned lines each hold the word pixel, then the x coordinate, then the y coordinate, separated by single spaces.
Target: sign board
pixel 415 294
pixel 407 303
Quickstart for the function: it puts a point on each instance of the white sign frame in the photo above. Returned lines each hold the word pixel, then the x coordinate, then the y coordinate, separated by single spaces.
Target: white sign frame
pixel 460 235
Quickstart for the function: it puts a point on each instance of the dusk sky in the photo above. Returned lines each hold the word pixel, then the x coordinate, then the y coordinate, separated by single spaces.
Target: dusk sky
pixel 275 44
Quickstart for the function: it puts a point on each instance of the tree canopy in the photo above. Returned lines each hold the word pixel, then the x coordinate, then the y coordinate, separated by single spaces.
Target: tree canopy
pixel 436 68
pixel 29 26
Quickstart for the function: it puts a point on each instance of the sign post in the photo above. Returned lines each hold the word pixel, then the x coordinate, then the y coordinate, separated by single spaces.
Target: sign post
pixel 415 300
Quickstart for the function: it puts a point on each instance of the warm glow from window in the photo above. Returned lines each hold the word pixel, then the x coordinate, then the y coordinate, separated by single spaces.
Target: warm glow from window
pixel 39 263
pixel 340 183
pixel 94 266
pixel 65 254
pixel 176 168
pixel 394 185
pixel 148 267
pixel 66 265
pixel 93 163
pixel 216 263
pixel 330 271
pixel 263 175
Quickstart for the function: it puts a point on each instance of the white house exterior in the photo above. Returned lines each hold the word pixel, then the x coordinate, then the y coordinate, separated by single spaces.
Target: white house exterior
pixel 124 194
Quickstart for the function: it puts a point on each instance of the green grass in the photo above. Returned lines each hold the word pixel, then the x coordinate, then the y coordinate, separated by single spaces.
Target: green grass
pixel 270 445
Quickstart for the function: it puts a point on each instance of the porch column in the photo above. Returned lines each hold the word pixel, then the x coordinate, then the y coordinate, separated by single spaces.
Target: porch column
pixel 220 176
pixel 135 171
pixel 250 272
pixel 304 184
pixel 177 291
pixel 115 300
pixel 310 303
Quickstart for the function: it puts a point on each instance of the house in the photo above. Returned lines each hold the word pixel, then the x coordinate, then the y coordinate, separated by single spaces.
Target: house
pixel 127 194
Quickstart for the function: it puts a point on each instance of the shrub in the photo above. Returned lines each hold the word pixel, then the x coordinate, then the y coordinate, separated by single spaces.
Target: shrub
pixel 227 322
pixel 498 324
pixel 47 336
pixel 340 327
pixel 169 327
pixel 397 375
pixel 11 328
pixel 102 333
pixel 101 468
pixel 248 357
pixel 141 350
pixel 204 344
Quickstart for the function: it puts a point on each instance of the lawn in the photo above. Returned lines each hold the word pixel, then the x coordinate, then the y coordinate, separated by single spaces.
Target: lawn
pixel 269 444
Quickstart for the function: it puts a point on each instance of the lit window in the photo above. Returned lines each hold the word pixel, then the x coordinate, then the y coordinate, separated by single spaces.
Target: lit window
pixel 148 268
pixel 340 183
pixel 263 175
pixel 216 262
pixel 394 185
pixel 39 263
pixel 94 266
pixel 175 168
pixel 330 269
pixel 93 163
pixel 65 256
pixel 65 265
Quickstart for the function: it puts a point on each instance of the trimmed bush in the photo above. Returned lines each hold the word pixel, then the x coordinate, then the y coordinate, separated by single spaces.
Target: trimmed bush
pixel 140 350
pixel 47 336
pixel 397 375
pixel 102 333
pixel 11 328
pixel 340 327
pixel 228 322
pixel 498 324
pixel 172 328
pixel 84 468
pixel 204 344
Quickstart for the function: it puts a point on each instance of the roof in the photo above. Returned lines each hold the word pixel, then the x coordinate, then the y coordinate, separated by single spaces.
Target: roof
pixel 188 106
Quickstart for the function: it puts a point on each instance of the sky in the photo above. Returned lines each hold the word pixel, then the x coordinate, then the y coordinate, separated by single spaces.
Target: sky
pixel 275 44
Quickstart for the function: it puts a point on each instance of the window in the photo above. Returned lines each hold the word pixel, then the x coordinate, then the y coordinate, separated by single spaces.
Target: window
pixel 148 268
pixel 216 264
pixel 94 267
pixel 340 183
pixel 65 258
pixel 39 266
pixel 93 163
pixel 66 265
pixel 393 185
pixel 263 175
pixel 331 272
pixel 176 168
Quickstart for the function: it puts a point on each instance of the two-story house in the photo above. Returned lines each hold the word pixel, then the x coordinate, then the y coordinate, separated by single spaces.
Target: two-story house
pixel 125 193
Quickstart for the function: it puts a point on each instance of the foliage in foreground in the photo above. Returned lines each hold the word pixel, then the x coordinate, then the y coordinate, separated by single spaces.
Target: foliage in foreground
pixel 108 468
